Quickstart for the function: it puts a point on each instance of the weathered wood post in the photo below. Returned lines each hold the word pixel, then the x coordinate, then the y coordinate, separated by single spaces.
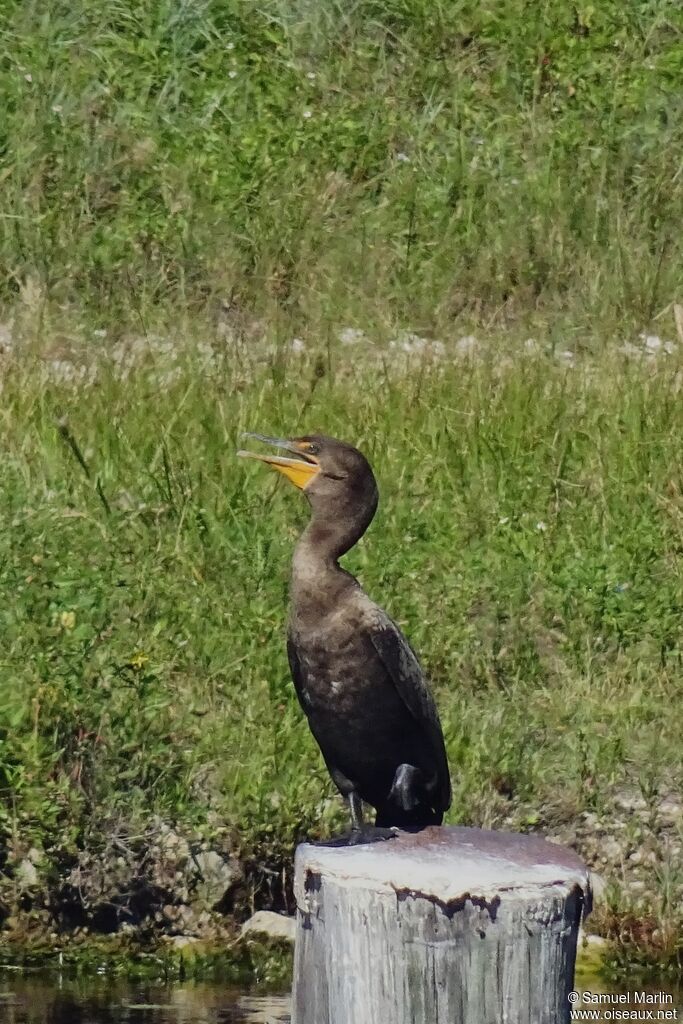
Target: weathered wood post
pixel 446 926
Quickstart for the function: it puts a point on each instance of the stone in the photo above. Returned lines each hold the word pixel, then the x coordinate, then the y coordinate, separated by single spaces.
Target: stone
pixel 611 850
pixel 598 886
pixel 275 926
pixel 172 846
pixel 181 941
pixel 671 809
pixel 628 800
pixel 216 877
pixel 597 941
pixel 26 874
pixel 591 953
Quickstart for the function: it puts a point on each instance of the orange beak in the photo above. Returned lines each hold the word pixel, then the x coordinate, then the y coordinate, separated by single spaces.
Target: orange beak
pixel 299 471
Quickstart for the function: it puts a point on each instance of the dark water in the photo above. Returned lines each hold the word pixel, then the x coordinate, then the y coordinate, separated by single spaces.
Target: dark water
pixel 38 998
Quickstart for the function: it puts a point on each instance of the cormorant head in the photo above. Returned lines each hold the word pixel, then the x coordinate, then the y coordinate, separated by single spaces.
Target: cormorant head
pixel 335 477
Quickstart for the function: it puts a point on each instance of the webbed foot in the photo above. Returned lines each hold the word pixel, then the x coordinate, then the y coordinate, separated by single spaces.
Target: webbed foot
pixel 359 836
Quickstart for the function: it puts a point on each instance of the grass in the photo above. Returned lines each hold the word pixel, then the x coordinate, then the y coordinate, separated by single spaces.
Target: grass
pixel 188 187
pixel 446 161
pixel 528 540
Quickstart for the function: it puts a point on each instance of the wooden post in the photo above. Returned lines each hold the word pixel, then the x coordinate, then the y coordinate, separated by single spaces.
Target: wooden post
pixel 446 926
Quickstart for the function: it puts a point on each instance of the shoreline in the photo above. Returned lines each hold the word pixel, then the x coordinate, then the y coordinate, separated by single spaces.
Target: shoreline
pixel 172 899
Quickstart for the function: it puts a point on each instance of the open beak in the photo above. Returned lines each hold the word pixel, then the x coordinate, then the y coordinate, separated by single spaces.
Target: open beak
pixel 300 471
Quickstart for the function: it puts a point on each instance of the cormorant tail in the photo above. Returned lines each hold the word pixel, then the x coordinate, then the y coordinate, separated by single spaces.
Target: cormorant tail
pixel 389 815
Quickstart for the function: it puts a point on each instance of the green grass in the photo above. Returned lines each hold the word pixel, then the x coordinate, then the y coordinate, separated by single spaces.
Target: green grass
pixel 428 161
pixel 186 187
pixel 528 540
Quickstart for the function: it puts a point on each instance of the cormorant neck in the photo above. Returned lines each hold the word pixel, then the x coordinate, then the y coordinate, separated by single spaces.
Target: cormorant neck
pixel 328 538
pixel 316 573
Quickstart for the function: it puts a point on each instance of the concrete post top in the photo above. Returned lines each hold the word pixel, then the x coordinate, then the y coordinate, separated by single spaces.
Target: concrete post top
pixel 448 863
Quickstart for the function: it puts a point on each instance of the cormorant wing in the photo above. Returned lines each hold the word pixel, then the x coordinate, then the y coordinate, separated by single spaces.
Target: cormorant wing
pixel 295 668
pixel 406 674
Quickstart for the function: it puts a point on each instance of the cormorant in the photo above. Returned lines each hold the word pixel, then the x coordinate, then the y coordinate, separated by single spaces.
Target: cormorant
pixel 357 678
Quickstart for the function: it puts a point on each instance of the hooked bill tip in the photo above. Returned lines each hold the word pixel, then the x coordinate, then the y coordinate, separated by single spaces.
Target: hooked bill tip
pixel 264 438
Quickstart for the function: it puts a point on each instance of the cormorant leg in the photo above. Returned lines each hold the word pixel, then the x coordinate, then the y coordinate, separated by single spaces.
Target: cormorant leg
pixel 356 808
pixel 360 832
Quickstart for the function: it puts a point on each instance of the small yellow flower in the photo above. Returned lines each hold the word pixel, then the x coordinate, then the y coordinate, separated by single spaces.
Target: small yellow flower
pixel 67 620
pixel 139 660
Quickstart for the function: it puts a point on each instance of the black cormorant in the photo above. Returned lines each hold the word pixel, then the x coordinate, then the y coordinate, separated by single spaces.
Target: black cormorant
pixel 357 678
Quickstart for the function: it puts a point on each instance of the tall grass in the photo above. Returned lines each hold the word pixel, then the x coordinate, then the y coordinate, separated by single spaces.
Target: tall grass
pixel 238 175
pixel 427 162
pixel 528 540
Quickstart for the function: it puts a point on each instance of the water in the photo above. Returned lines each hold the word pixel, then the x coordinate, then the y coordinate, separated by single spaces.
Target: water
pixel 40 998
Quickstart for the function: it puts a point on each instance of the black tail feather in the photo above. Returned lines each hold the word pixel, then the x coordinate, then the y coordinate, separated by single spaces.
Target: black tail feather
pixel 408 803
pixel 417 817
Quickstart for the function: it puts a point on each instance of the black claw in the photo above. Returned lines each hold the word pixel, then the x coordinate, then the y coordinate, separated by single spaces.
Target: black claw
pixel 359 837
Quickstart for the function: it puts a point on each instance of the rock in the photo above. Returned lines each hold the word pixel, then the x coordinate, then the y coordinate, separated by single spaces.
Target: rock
pixel 172 846
pixel 160 879
pixel 275 926
pixel 598 886
pixel 589 940
pixel 181 941
pixel 590 953
pixel 466 346
pixel 611 850
pixel 216 877
pixel 352 336
pixel 6 339
pixel 628 800
pixel 598 941
pixel 671 809
pixel 26 874
pixel 181 919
